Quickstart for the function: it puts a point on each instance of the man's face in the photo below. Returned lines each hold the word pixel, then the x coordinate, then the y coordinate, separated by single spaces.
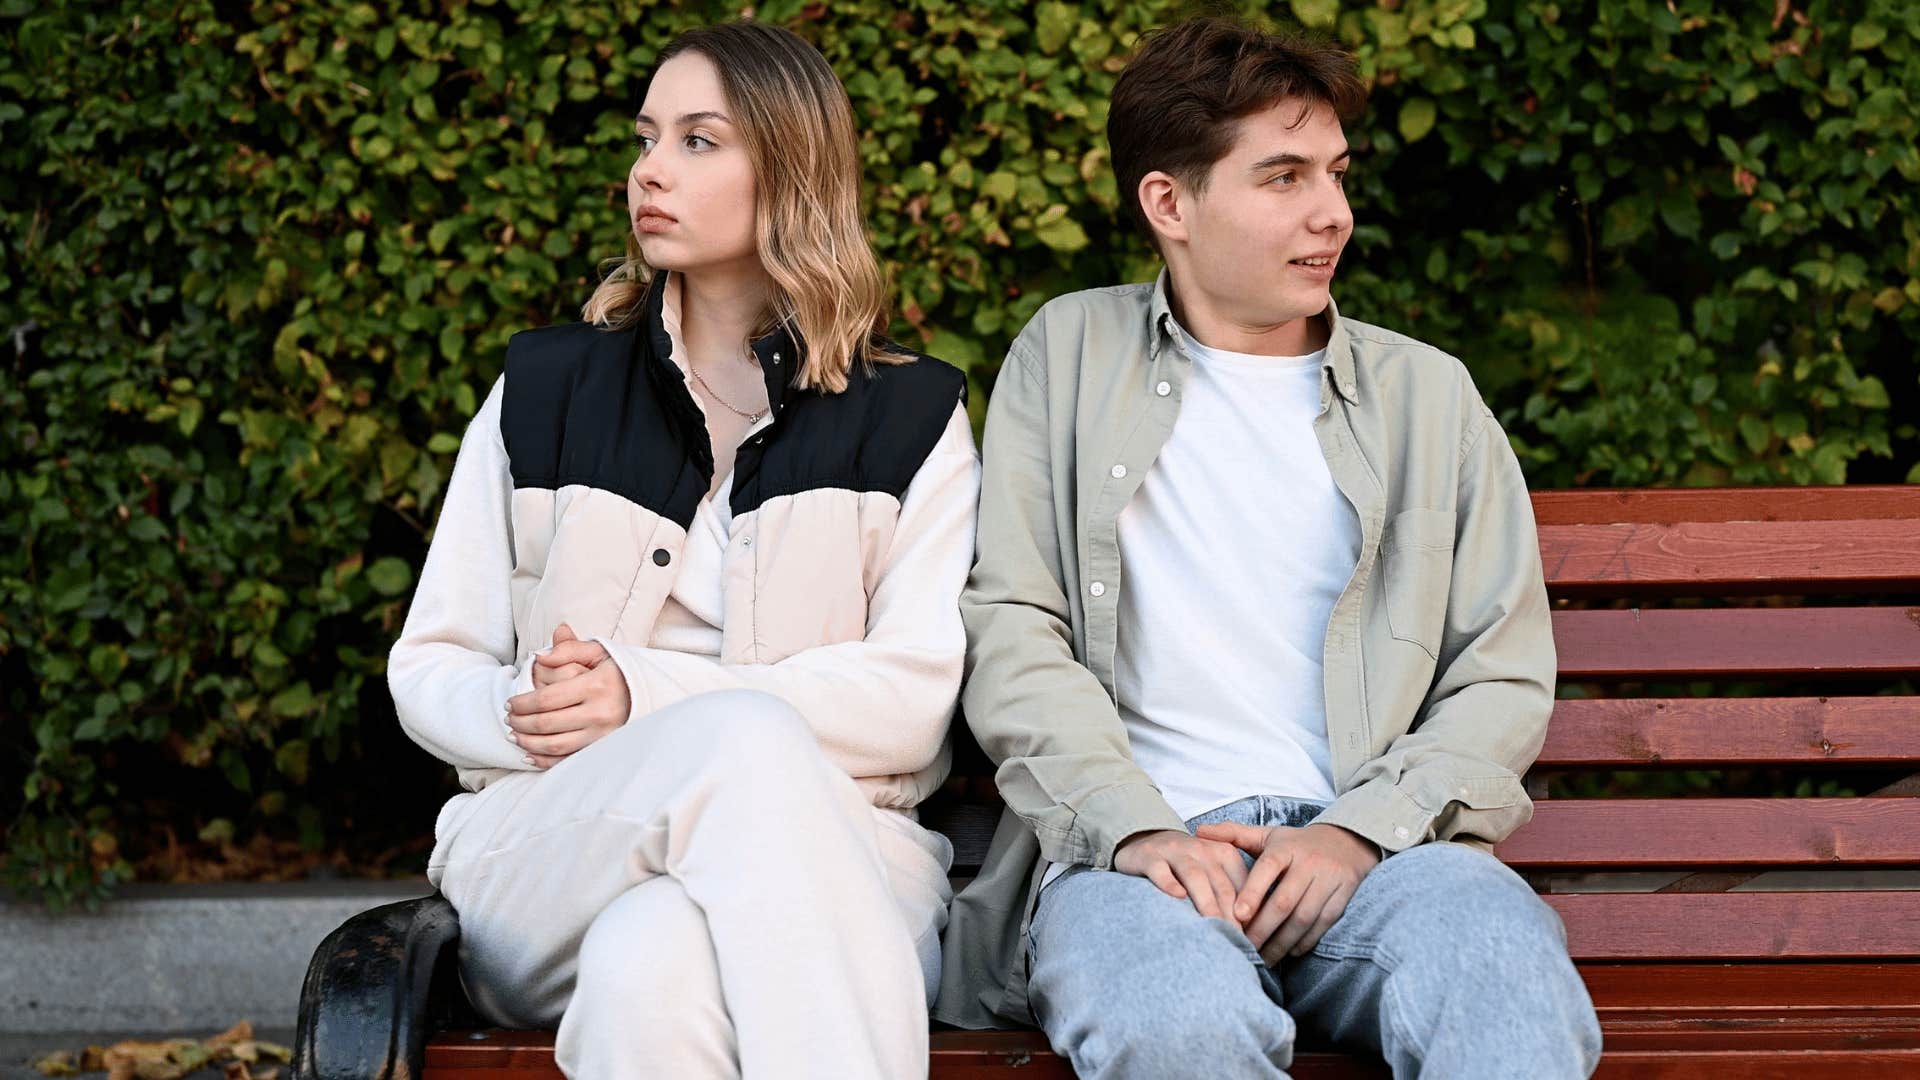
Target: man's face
pixel 1264 237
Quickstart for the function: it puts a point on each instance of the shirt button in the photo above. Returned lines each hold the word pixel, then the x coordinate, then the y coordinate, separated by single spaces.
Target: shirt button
pixel 1119 471
pixel 1097 589
pixel 1163 389
pixel 747 543
pixel 661 557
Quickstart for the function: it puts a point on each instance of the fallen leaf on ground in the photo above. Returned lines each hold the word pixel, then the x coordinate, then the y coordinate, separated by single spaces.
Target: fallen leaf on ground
pixel 58 1063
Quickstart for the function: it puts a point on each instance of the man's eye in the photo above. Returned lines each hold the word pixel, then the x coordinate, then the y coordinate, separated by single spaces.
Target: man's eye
pixel 1340 177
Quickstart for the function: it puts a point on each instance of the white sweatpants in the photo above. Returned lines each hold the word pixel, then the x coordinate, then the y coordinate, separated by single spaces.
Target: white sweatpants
pixel 700 894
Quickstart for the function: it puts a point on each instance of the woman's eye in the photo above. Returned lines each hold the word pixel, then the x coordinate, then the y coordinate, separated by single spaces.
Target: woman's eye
pixel 644 142
pixel 699 142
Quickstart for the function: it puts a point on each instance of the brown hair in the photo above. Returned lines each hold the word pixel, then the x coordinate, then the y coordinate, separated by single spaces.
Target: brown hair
pixel 1177 106
pixel 797 126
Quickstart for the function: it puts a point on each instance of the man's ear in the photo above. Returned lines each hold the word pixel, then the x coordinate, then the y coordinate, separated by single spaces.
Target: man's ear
pixel 1163 202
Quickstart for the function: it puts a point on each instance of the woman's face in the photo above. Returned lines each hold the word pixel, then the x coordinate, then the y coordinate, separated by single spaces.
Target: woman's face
pixel 690 191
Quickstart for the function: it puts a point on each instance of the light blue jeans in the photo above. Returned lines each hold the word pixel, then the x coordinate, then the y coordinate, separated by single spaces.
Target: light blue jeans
pixel 1445 964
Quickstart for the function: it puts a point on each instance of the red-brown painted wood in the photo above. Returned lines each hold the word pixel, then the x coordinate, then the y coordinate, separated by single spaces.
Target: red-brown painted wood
pixel 1568 834
pixel 1741 926
pixel 1738 642
pixel 1710 558
pixel 1601 506
pixel 1627 733
pixel 1766 990
pixel 1737 1016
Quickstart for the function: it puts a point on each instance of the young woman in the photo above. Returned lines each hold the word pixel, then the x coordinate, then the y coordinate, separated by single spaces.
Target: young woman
pixel 688 628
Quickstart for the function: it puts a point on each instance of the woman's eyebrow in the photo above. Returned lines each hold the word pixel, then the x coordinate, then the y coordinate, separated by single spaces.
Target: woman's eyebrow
pixel 688 119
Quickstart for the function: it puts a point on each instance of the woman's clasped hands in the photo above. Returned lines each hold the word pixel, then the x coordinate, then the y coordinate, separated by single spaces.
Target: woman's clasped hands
pixel 578 697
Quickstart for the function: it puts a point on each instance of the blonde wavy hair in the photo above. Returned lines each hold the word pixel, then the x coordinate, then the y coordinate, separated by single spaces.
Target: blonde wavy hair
pixel 797 126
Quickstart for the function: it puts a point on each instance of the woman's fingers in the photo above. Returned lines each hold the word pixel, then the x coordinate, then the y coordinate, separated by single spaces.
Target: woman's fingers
pixel 549 698
pixel 547 676
pixel 553 746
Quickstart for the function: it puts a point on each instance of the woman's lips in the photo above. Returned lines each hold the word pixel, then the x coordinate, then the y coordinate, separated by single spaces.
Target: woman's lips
pixel 649 221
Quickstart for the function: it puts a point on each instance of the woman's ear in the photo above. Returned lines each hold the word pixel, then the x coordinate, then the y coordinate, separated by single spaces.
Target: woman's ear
pixel 1162 203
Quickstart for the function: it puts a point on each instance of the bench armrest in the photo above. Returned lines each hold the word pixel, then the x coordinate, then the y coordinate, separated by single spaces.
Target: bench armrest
pixel 377 988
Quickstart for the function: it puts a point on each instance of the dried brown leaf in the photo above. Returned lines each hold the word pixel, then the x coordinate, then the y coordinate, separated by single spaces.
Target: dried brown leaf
pixel 57 1063
pixel 238 1033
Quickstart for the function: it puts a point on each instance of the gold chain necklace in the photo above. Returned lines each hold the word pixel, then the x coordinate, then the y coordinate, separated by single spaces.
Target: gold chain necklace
pixel 751 418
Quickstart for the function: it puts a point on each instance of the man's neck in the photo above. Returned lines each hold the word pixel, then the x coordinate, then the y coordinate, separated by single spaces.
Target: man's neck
pixel 719 310
pixel 1216 329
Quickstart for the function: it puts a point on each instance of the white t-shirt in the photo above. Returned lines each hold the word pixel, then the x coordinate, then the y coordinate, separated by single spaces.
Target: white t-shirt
pixel 1232 553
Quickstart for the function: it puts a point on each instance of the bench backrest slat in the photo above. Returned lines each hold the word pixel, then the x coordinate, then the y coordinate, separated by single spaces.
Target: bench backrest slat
pixel 1628 733
pixel 1586 834
pixel 1751 643
pixel 1732 558
pixel 1741 926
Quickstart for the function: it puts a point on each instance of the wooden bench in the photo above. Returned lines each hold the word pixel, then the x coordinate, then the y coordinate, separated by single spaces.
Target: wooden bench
pixel 1771 636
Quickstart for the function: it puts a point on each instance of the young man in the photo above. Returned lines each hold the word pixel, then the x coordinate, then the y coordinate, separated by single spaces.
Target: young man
pixel 1257 637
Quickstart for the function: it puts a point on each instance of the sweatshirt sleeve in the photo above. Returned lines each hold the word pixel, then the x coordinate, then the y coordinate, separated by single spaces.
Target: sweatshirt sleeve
pixel 452 669
pixel 879 706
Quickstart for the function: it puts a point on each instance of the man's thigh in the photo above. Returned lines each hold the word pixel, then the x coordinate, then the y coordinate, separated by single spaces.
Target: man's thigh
pixel 1105 944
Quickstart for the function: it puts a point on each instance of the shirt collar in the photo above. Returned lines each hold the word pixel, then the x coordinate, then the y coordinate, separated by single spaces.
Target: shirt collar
pixel 778 352
pixel 1339 358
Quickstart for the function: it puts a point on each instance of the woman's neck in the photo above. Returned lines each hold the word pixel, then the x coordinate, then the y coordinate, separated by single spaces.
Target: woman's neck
pixel 719 310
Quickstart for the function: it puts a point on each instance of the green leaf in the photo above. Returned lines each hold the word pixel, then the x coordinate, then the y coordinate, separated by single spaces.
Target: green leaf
pixel 389 576
pixel 295 700
pixel 1866 35
pixel 443 443
pixel 1316 13
pixel 1417 117
pixel 1062 234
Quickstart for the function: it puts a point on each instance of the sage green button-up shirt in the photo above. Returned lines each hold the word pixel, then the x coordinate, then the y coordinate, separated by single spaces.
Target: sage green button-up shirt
pixel 1439 655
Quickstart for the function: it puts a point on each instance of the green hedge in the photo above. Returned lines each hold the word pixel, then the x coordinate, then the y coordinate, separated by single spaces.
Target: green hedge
pixel 260 264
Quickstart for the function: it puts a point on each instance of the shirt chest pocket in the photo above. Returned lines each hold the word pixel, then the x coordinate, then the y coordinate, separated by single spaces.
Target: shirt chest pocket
pixel 1417 573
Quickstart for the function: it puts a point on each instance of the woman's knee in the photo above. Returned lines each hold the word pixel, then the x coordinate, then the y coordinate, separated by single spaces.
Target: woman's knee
pixel 649 948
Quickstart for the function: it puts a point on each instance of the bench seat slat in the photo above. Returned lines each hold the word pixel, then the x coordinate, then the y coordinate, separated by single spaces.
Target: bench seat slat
pixel 1741 926
pixel 1568 834
pixel 1590 506
pixel 1738 642
pixel 1709 558
pixel 1631 733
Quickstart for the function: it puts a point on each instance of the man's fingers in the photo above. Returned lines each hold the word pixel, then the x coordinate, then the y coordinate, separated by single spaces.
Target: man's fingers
pixel 1305 914
pixel 1336 906
pixel 1248 838
pixel 1222 891
pixel 1162 875
pixel 1198 879
pixel 1253 891
pixel 1277 909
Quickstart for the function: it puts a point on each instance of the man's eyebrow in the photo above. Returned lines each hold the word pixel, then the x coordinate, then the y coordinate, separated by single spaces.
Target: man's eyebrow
pixel 1288 157
pixel 687 119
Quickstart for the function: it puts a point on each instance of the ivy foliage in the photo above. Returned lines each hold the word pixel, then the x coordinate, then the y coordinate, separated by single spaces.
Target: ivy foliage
pixel 260 261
